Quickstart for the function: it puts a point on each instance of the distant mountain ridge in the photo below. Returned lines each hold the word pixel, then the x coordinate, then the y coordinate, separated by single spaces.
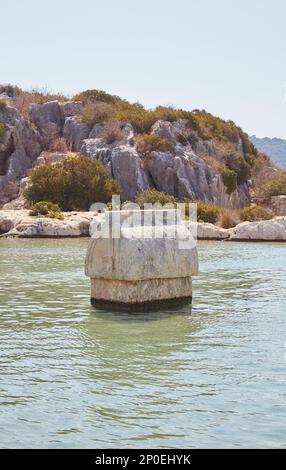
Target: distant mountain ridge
pixel 274 148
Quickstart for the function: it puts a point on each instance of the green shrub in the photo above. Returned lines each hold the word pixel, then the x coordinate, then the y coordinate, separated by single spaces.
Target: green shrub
pixel 275 187
pixel 94 113
pixel 100 112
pixel 229 178
pixel 204 124
pixel 253 213
pixel 115 108
pixel 139 118
pixel 75 183
pixel 210 126
pixel 166 113
pixel 152 196
pixel 3 105
pixel 192 122
pixel 250 159
pixel 207 212
pixel 56 215
pixel 101 107
pixel 147 143
pixel 2 131
pixel 237 163
pixel 47 209
pixel 98 95
pixel 247 145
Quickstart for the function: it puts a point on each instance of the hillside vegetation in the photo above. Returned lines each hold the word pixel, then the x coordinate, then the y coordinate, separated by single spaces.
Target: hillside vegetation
pixel 181 153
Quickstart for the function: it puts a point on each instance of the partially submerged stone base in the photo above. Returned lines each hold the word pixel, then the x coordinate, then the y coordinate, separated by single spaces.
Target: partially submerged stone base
pixel 142 294
pixel 141 269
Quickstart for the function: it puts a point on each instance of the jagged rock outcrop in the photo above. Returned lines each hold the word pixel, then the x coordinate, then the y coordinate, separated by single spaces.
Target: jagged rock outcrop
pixel 74 132
pixel 24 139
pixel 168 130
pixel 48 118
pixel 70 108
pixel 187 175
pixel 19 147
pixel 127 171
pixel 122 162
pixel 181 173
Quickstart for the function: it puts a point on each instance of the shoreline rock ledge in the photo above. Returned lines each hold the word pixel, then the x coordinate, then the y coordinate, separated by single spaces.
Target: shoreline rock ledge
pixel 141 260
pixel 18 223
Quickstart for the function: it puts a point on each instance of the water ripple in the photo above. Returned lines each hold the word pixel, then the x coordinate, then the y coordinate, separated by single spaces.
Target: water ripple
pixel 207 375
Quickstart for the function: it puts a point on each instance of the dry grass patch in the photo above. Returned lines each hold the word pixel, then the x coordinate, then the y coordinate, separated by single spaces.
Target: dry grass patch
pixel 147 143
pixel 112 132
pixel 58 145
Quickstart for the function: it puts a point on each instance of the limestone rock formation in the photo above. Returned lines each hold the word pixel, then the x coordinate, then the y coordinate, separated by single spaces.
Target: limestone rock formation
pixel 74 132
pixel 19 147
pixel 191 170
pixel 123 164
pixel 264 230
pixel 15 221
pixel 70 108
pixel 48 119
pixel 187 175
pixel 206 231
pixel 18 223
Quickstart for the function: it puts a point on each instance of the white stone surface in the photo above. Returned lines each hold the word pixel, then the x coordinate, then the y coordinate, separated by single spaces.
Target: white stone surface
pixel 131 263
pixel 135 292
pixel 264 230
pixel 19 223
pixel 206 231
pixel 141 252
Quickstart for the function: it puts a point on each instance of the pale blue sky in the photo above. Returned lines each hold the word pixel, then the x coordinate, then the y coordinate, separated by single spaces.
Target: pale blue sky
pixel 224 56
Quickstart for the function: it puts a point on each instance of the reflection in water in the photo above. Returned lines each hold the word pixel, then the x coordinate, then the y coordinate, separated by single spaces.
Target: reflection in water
pixel 203 376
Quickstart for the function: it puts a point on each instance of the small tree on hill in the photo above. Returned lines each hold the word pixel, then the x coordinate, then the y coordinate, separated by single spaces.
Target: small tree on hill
pixel 75 183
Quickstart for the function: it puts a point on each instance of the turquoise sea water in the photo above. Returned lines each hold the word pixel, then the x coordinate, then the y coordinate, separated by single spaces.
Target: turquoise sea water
pixel 207 375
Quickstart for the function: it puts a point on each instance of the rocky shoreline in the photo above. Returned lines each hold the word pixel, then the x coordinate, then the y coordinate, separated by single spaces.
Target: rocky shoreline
pixel 273 230
pixel 18 223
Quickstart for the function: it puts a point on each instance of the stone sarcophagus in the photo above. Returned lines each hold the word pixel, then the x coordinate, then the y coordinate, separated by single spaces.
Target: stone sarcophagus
pixel 141 259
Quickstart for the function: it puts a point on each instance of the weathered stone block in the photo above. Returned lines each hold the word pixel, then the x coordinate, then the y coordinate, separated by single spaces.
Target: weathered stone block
pixel 139 264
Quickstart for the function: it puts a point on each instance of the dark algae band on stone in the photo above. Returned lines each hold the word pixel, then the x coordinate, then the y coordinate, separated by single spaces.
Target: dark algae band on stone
pixel 139 307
